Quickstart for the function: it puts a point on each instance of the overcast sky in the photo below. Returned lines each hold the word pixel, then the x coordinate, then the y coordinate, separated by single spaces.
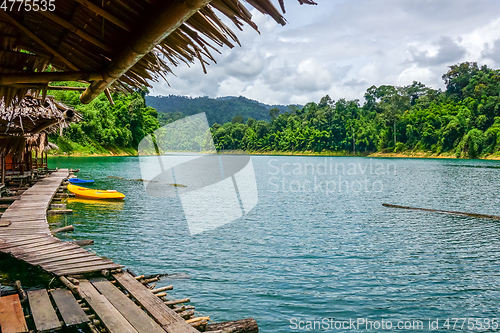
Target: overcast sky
pixel 342 47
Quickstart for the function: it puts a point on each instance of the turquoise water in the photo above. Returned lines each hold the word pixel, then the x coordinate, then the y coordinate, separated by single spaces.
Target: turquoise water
pixel 310 250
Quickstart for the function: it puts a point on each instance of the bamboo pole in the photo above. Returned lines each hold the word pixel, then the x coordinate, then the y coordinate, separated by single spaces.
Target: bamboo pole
pixel 177 301
pixel 159 290
pixel 194 320
pixel 74 29
pixel 68 284
pixel 37 39
pixel 44 77
pixel 248 325
pixel 63 229
pixel 98 10
pixel 163 21
pixel 484 216
pixel 42 87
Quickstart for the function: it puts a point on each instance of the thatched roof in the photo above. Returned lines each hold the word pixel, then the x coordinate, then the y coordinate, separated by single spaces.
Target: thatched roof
pixel 31 116
pixel 118 44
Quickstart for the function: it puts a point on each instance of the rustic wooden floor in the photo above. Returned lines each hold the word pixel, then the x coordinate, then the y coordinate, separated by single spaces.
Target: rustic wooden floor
pixel 25 234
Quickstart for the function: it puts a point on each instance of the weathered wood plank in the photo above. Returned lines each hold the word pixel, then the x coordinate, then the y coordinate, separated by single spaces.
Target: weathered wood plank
pixel 109 315
pixel 18 240
pixel 43 313
pixel 26 219
pixel 166 317
pixel 81 262
pixel 41 242
pixel 11 315
pixel 63 247
pixel 61 256
pixel 87 269
pixel 5 223
pixel 138 318
pixel 21 233
pixel 69 309
pixel 54 245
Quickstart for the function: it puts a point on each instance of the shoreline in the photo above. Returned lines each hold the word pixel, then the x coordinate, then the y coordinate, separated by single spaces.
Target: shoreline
pixel 428 155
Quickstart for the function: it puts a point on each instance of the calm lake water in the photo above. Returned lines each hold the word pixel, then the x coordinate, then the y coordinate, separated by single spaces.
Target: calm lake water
pixel 317 245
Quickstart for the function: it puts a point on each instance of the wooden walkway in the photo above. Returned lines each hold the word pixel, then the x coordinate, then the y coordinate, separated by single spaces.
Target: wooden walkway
pixel 25 234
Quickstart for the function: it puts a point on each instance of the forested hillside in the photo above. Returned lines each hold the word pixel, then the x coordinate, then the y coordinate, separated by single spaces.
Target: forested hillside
pixel 106 128
pixel 218 110
pixel 463 120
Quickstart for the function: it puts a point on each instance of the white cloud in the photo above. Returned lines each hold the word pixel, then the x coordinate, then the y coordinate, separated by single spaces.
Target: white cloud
pixel 342 47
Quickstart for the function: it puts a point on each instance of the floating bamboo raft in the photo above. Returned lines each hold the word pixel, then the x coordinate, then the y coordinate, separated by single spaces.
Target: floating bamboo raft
pixel 483 216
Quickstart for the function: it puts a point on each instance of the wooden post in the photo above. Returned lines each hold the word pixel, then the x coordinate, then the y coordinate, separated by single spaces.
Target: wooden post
pixel 21 162
pixel 3 168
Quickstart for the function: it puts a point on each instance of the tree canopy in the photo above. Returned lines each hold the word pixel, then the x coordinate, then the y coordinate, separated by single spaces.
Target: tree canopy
pixel 463 120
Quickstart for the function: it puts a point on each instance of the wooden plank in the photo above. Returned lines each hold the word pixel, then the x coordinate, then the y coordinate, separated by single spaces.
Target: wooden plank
pixel 81 262
pixel 28 219
pixel 11 315
pixel 72 255
pixel 81 270
pixel 166 317
pixel 43 314
pixel 25 213
pixel 19 224
pixel 6 232
pixel 20 233
pixel 70 310
pixel 64 246
pixel 109 315
pixel 5 223
pixel 43 241
pixel 55 245
pixel 138 318
pixel 17 240
pixel 68 254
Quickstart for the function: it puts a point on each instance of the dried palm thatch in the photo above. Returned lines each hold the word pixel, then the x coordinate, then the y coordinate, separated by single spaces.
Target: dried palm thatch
pixel 32 115
pixel 120 44
pixel 26 123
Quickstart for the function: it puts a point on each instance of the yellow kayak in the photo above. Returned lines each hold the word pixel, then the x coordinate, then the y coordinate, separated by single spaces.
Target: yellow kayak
pixel 90 193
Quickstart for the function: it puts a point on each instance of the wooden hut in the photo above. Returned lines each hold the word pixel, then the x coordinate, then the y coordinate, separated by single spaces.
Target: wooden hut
pixel 113 44
pixel 24 126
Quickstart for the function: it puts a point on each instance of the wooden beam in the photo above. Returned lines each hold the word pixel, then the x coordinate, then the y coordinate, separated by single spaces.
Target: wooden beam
pixel 76 30
pixel 43 126
pixel 161 23
pixel 98 10
pixel 37 39
pixel 45 77
pixel 42 86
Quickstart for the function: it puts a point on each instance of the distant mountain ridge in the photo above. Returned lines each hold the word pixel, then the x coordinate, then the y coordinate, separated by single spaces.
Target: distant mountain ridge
pixel 218 110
